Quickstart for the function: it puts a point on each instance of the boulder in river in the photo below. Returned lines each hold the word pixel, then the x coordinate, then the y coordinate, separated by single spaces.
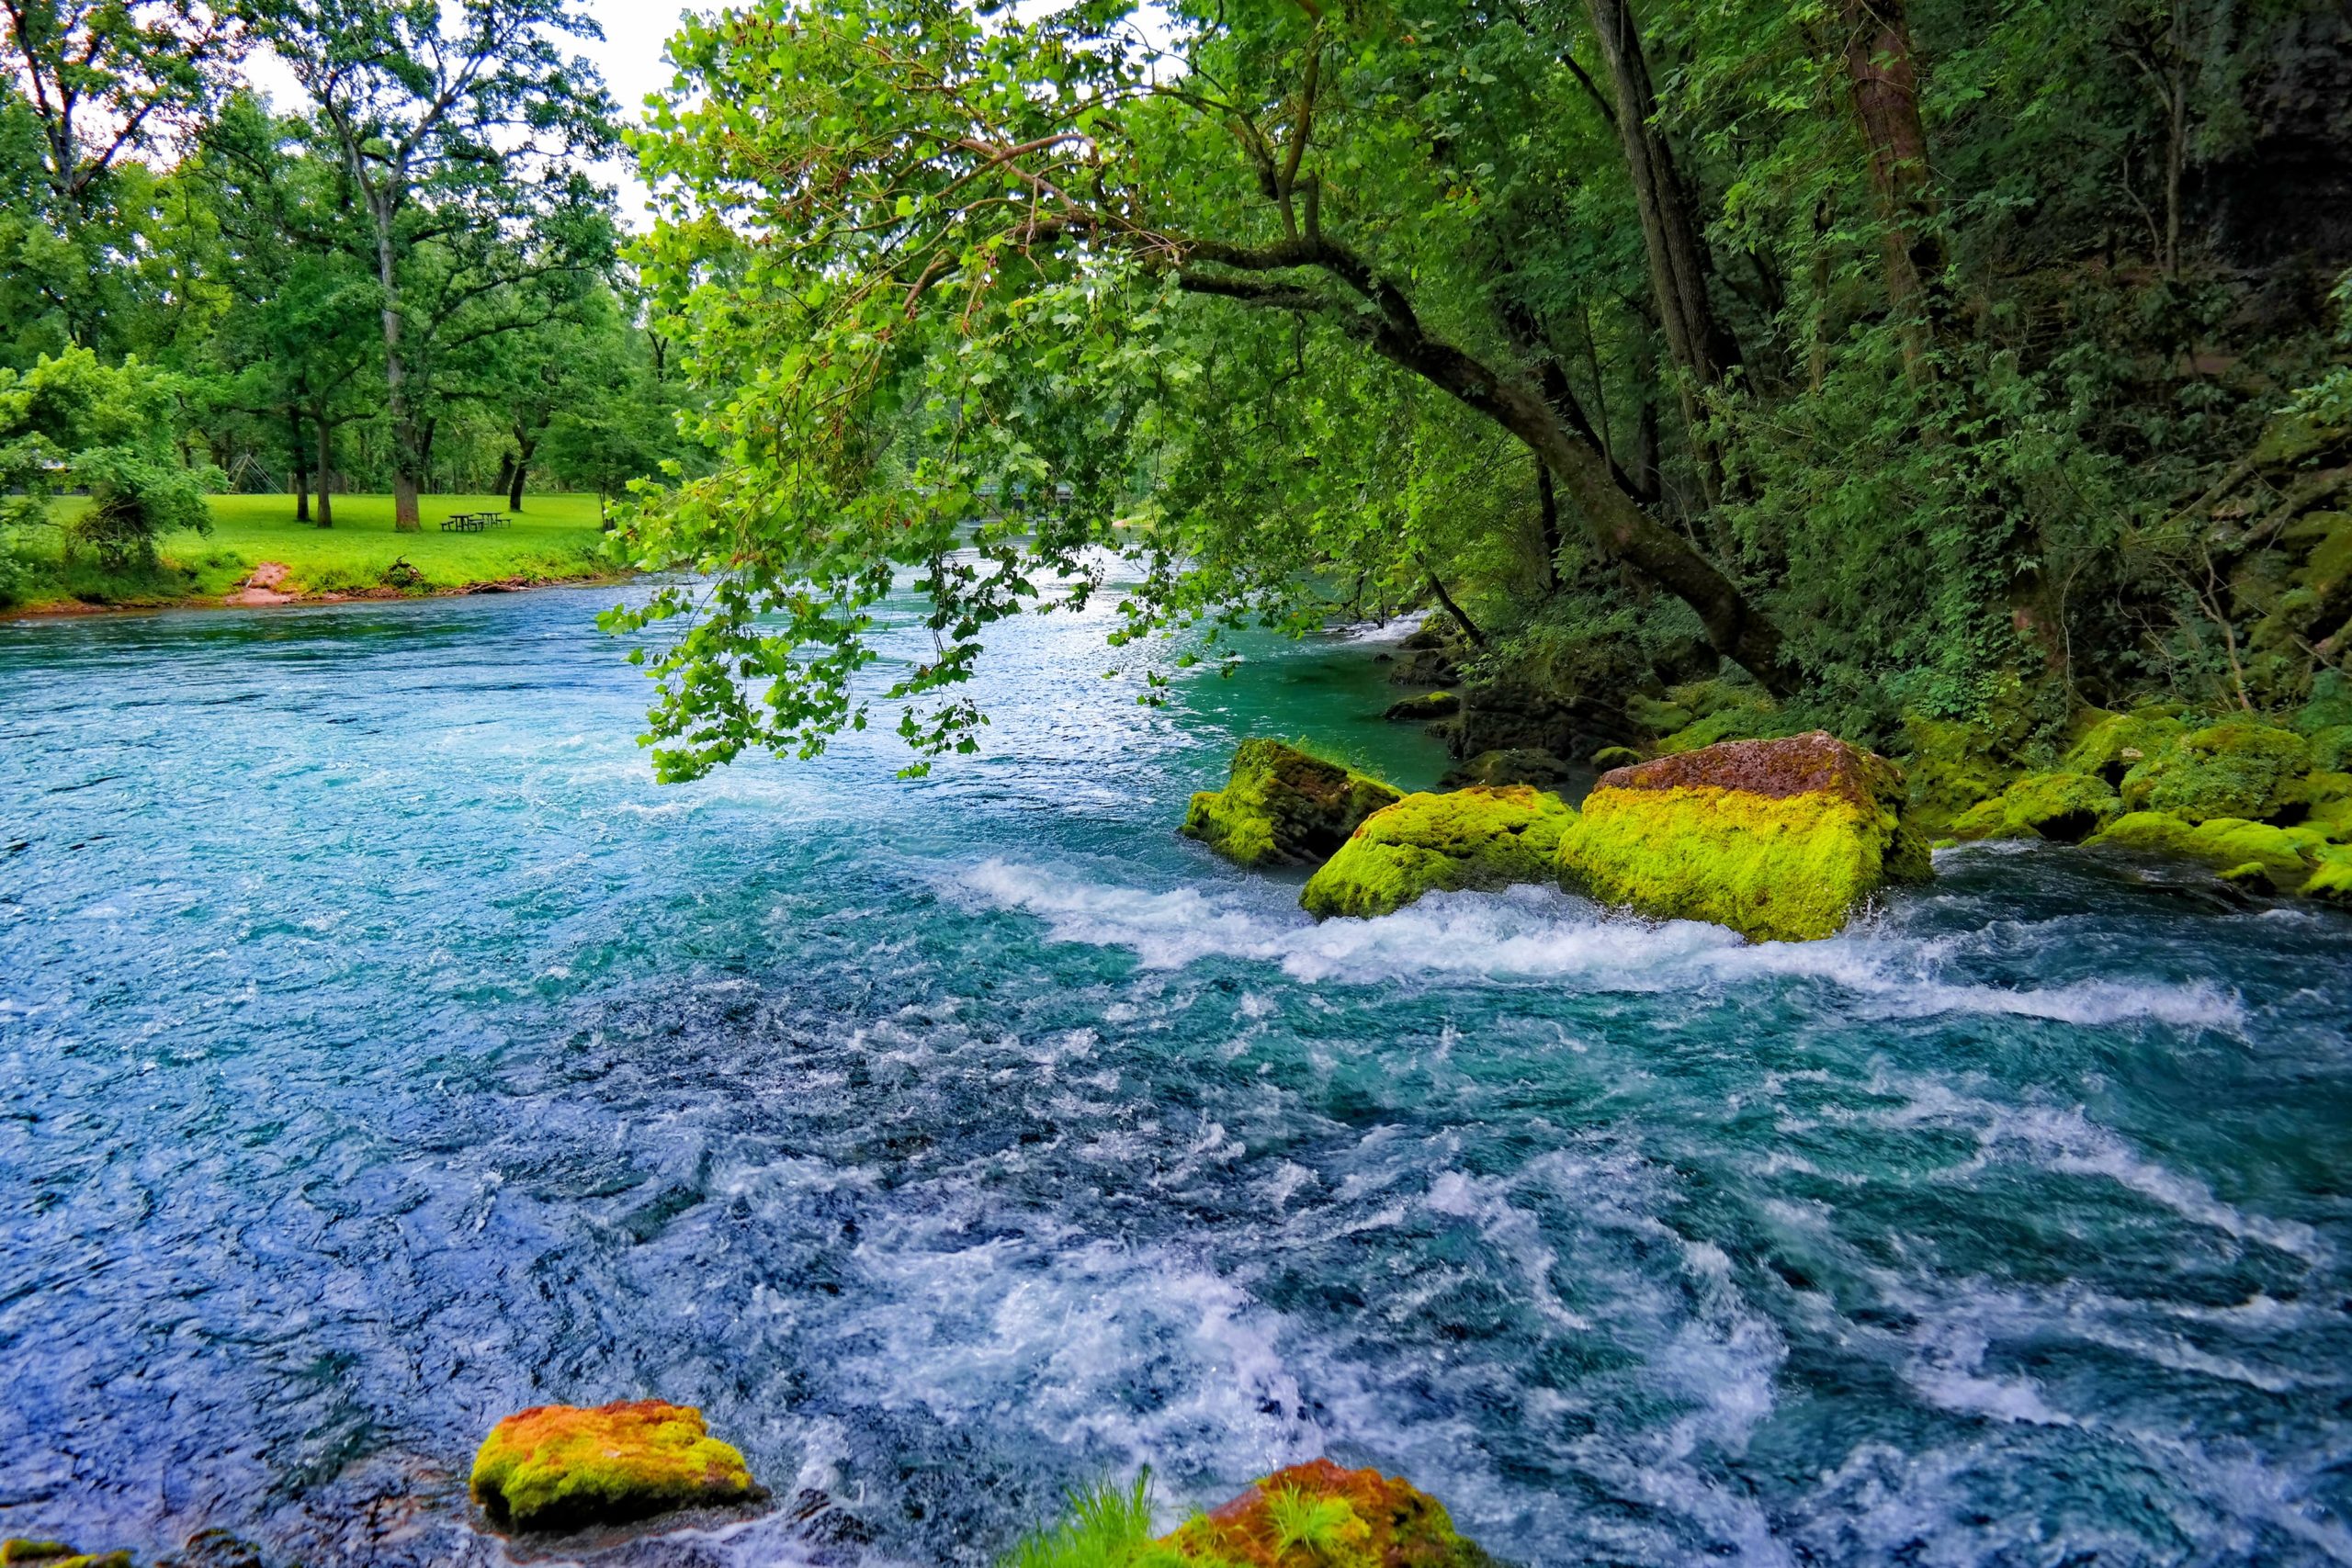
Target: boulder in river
pixel 1319 1515
pixel 2282 858
pixel 560 1467
pixel 1428 705
pixel 1283 806
pixel 1779 840
pixel 1472 838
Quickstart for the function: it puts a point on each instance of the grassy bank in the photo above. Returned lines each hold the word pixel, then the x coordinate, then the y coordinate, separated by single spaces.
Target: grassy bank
pixel 554 537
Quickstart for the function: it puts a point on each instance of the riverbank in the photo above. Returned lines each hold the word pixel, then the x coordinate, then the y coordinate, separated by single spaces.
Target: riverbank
pixel 259 554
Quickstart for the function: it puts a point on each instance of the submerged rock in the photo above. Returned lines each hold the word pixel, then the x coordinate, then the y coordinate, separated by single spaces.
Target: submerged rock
pixel 1283 806
pixel 56 1554
pixel 1428 705
pixel 1320 1515
pixel 2066 808
pixel 2240 769
pixel 560 1467
pixel 1473 839
pixel 1779 840
pixel 1498 769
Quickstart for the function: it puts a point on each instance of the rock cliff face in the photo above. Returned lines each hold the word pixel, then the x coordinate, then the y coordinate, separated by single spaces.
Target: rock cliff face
pixel 1779 840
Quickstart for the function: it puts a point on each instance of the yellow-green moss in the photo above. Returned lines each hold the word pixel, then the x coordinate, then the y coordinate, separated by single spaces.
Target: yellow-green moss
pixel 2239 769
pixel 1776 869
pixel 560 1467
pixel 1610 757
pixel 56 1554
pixel 1283 806
pixel 2119 742
pixel 2064 807
pixel 1951 768
pixel 2331 877
pixel 1478 837
pixel 2225 843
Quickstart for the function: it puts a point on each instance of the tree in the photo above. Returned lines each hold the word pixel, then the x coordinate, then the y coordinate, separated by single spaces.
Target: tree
pixel 297 342
pixel 104 80
pixel 924 195
pixel 72 423
pixel 461 128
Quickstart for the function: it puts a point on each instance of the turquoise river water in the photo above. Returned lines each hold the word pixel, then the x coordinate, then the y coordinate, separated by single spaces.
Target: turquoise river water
pixel 381 1052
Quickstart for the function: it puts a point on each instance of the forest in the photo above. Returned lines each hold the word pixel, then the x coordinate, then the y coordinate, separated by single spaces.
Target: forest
pixel 1899 359
pixel 408 282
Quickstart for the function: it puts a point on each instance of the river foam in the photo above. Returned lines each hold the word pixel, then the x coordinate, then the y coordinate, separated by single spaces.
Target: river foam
pixel 1536 933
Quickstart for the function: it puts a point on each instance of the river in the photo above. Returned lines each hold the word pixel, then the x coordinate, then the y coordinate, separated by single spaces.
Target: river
pixel 381 1052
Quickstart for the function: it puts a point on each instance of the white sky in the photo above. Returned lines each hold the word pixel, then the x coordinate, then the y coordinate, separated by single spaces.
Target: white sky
pixel 630 56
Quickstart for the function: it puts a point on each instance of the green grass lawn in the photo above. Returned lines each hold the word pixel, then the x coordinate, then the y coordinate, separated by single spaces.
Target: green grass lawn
pixel 553 537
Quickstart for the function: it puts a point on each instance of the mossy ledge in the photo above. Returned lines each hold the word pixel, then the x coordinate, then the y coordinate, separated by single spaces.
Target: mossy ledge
pixel 1780 840
pixel 1283 806
pixel 1315 1515
pixel 1475 839
pixel 56 1554
pixel 560 1467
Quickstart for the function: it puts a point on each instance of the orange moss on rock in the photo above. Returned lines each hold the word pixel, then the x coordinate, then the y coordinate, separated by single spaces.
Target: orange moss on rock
pixel 1320 1515
pixel 560 1467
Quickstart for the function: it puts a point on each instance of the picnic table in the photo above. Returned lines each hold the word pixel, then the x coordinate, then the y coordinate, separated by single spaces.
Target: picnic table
pixel 472 521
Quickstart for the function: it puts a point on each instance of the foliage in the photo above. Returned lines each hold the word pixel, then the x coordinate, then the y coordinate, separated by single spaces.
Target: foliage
pixel 1310 314
pixel 73 422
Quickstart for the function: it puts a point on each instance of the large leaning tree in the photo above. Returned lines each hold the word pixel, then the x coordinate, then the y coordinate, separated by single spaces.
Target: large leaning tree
pixel 993 295
pixel 462 128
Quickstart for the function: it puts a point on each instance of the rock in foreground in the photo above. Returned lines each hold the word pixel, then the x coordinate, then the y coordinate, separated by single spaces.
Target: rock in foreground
pixel 1310 1516
pixel 1283 806
pixel 1473 839
pixel 56 1554
pixel 560 1467
pixel 1779 840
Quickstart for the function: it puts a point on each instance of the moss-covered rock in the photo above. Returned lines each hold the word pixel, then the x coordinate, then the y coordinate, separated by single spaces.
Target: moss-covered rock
pixel 1320 1515
pixel 1952 767
pixel 2119 742
pixel 2238 769
pixel 1779 840
pixel 56 1554
pixel 1310 1516
pixel 1610 758
pixel 2332 748
pixel 1428 705
pixel 1283 806
pixel 2284 856
pixel 2066 808
pixel 2331 877
pixel 560 1467
pixel 1475 839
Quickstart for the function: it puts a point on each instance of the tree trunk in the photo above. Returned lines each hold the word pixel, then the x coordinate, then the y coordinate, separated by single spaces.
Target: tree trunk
pixel 1619 528
pixel 300 452
pixel 406 460
pixel 326 472
pixel 522 468
pixel 1884 76
pixel 1547 512
pixel 505 474
pixel 1677 261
